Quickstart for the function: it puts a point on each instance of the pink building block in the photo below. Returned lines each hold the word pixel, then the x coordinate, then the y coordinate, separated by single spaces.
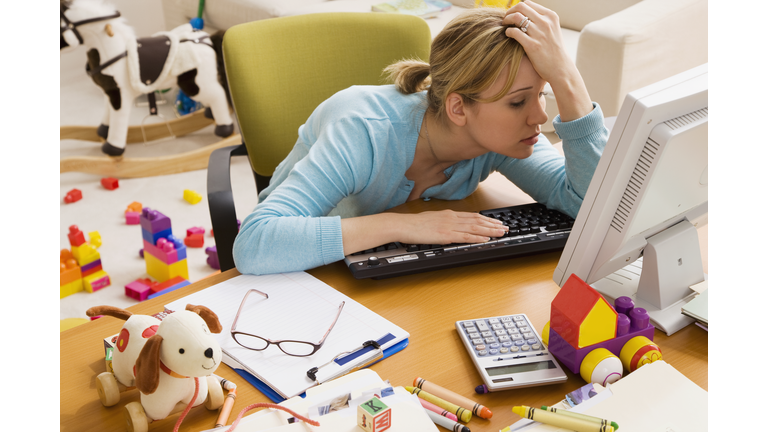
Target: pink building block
pixel 132 218
pixel 138 290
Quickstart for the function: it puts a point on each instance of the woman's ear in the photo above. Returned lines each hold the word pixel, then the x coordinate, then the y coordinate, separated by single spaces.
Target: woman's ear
pixel 455 109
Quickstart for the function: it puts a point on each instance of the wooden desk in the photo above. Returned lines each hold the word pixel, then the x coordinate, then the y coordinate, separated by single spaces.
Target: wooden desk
pixel 426 305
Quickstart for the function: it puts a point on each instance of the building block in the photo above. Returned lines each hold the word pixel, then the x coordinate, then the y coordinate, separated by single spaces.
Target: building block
pixel 213 258
pixel 75 236
pixel 110 183
pixel 94 238
pixel 92 268
pixel 374 415
pixel 96 281
pixel 194 240
pixel 154 237
pixel 85 254
pixel 192 197
pixel 69 271
pixel 167 284
pixel 195 230
pixel 165 252
pixel 134 207
pixel 138 290
pixel 581 316
pixel 70 288
pixel 73 196
pixel 132 218
pixel 154 222
pixel 161 271
pixel 170 285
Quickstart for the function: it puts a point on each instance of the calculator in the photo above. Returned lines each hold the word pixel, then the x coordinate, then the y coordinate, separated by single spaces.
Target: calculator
pixel 509 353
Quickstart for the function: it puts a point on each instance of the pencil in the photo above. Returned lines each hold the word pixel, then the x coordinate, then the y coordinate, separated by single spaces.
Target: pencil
pixel 445 394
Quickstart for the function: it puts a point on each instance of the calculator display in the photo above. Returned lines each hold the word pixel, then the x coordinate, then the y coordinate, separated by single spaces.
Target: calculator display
pixel 525 367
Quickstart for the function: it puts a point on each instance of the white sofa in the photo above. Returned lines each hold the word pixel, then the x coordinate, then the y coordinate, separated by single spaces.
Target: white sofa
pixel 618 45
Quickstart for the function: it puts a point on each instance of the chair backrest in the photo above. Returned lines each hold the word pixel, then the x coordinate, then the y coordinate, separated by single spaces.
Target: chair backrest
pixel 279 70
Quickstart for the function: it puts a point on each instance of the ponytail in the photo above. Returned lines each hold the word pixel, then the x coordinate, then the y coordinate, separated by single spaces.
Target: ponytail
pixel 409 76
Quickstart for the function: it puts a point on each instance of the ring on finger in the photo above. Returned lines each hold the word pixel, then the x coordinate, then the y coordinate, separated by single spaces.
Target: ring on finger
pixel 524 24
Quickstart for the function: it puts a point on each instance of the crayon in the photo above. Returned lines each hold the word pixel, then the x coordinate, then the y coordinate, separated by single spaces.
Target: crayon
pixel 452 397
pixel 436 409
pixel 462 414
pixel 446 423
pixel 482 389
pixel 581 416
pixel 226 409
pixel 559 420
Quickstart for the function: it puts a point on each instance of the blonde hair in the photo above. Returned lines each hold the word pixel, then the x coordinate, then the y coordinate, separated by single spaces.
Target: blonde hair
pixel 465 58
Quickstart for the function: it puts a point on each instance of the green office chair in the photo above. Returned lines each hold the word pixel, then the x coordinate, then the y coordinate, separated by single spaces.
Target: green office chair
pixel 279 70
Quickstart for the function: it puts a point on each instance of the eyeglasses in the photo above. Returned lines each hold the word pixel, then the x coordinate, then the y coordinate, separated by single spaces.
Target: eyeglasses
pixel 290 347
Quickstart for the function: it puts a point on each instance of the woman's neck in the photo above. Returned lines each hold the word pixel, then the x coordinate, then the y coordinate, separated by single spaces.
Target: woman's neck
pixel 441 145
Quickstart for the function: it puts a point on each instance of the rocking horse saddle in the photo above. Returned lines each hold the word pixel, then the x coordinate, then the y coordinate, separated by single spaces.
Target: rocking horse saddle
pixel 153 53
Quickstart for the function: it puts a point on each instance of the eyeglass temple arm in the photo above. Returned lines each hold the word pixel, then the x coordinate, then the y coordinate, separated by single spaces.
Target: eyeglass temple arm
pixel 242 303
pixel 341 306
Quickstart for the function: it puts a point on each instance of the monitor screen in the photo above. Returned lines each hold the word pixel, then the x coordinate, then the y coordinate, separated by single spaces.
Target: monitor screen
pixel 635 233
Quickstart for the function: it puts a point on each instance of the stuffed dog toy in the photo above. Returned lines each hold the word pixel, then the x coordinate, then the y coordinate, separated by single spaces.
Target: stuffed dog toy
pixel 164 360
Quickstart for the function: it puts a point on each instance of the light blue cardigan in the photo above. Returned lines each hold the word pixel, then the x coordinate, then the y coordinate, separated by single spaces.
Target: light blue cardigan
pixel 351 158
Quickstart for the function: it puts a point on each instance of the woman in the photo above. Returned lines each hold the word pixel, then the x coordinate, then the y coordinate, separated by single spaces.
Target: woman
pixel 436 133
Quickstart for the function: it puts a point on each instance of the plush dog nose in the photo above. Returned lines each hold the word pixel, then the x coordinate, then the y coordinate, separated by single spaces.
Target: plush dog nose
pixel 209 353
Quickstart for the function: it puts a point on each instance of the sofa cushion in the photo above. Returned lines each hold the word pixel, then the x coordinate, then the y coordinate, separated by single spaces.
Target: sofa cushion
pixel 575 15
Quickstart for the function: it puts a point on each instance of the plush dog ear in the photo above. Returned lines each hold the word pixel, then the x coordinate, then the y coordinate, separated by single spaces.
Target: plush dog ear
pixel 109 311
pixel 208 316
pixel 148 365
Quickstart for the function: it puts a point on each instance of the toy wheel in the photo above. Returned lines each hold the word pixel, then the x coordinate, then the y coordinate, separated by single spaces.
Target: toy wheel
pixel 215 397
pixel 109 392
pixel 135 418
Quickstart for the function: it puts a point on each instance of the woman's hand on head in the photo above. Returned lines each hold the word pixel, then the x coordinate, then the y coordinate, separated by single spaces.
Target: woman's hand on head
pixel 448 226
pixel 543 44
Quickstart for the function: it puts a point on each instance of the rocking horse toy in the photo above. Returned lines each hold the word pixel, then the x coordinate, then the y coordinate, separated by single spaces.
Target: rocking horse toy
pixel 126 67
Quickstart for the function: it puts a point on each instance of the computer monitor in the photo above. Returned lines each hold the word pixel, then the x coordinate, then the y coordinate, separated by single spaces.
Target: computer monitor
pixel 635 234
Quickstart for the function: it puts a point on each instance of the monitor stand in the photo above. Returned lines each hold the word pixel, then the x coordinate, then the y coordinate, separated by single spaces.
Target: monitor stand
pixel 660 281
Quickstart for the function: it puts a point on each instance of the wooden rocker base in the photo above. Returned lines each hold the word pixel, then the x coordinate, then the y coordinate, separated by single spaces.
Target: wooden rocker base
pixel 180 126
pixel 122 167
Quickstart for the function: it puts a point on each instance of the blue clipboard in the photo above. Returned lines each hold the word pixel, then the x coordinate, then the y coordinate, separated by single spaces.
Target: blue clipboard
pixel 277 398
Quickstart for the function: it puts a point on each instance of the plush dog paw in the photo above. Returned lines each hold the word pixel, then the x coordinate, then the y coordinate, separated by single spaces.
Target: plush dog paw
pixel 102 131
pixel 224 130
pixel 111 150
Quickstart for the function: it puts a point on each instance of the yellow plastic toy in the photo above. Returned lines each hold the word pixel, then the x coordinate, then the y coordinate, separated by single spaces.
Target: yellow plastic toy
pixel 639 351
pixel 600 366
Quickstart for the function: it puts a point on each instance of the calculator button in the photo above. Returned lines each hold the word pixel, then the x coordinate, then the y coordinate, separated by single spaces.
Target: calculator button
pixel 504 350
pixel 482 326
pixel 528 335
pixel 506 319
pixel 480 347
pixel 493 320
pixel 497 326
pixel 509 325
pixel 474 335
pixel 525 329
pixel 482 353
pixel 495 345
pixel 518 318
pixel 468 324
pixel 525 347
pixel 520 343
pixel 477 341
pixel 487 333
pixel 503 338
pixel 521 323
pixel 536 346
pixel 513 331
pixel 516 337
pixel 514 349
pixel 531 341
pixel 506 344
pixel 470 329
pixel 500 333
pixel 490 340
pixel 493 351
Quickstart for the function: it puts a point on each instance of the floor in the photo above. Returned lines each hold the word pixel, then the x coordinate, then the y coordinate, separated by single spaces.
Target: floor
pixel 102 210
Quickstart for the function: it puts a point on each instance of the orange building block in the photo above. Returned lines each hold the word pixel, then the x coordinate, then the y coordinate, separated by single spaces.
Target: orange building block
pixel 581 316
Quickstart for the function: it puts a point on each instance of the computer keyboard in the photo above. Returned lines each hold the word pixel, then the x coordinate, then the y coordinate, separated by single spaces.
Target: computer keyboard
pixel 533 228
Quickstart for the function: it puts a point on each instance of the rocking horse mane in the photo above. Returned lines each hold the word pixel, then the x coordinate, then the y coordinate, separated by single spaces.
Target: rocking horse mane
pixel 84 9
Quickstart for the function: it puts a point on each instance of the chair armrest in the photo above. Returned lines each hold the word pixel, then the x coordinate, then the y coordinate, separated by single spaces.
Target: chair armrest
pixel 645 43
pixel 221 203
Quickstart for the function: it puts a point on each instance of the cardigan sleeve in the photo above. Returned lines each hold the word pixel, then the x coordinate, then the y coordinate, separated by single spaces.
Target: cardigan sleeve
pixel 556 181
pixel 290 230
